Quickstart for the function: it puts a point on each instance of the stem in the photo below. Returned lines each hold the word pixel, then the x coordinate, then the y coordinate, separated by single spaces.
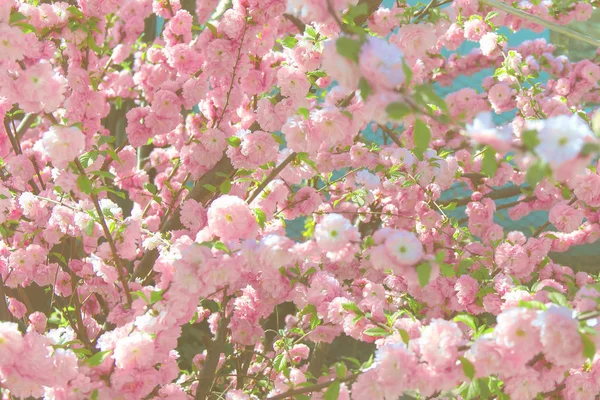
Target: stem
pixel 319 354
pixel 391 135
pixel 495 195
pixel 109 237
pixel 313 388
pixel 271 176
pixel 5 314
pixel 207 375
pixel 535 19
pixel 216 123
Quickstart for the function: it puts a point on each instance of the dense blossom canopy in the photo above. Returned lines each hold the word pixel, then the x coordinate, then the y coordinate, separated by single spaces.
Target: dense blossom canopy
pixel 148 183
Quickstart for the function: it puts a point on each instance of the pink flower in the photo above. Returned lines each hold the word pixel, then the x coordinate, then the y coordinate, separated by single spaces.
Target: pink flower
pixel 489 45
pixel 340 68
pixel 566 218
pixel 11 342
pixel 560 336
pixel 62 144
pixel 439 344
pixel 516 332
pixel 334 232
pixel 415 39
pixel 466 290
pixel 230 218
pixel 404 248
pixel 475 28
pixel 381 64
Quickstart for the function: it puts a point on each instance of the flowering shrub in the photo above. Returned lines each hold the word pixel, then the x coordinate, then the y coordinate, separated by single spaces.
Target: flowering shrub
pixel 147 181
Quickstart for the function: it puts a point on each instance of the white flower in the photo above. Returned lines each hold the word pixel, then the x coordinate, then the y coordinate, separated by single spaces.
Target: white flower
pixel 367 179
pixel 332 233
pixel 62 144
pixel 561 138
pixel 404 247
pixel 483 130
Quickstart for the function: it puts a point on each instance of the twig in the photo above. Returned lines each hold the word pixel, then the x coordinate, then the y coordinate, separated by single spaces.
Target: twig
pixel 271 176
pixel 296 21
pixel 213 354
pixel 313 388
pixel 109 238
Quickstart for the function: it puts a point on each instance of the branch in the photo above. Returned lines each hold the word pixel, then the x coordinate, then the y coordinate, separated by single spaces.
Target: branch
pixel 391 134
pixel 537 20
pixel 199 193
pixel 5 314
pixel 213 354
pixel 109 238
pixel 24 125
pixel 313 388
pixel 271 176
pixel 296 21
pixel 495 195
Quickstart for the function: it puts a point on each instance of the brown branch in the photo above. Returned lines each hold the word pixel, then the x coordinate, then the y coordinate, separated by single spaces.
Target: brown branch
pixel 271 176
pixel 391 134
pixel 495 195
pixel 313 388
pixel 198 193
pixel 213 354
pixel 109 238
pixel 5 314
pixel 296 21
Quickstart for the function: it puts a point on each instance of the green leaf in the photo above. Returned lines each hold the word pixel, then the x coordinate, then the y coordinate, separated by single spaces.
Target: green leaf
pixel 426 95
pixel 156 296
pixel 304 112
pixel 377 331
pixel 333 391
pixel 89 227
pixel 16 17
pixel 210 188
pixel 261 217
pixel 234 141
pixel 424 273
pixel 225 186
pixel 98 358
pixel 530 139
pixel 408 74
pixel 467 367
pixel 151 188
pixel 489 166
pixel 88 158
pixel 340 370
pixel 536 173
pixel 596 123
pixel 94 395
pixel 103 174
pixel 447 270
pixel 397 110
pixel 590 148
pixel 84 184
pixel 348 48
pixel 558 298
pixel 490 15
pixel 450 207
pixel 280 362
pixel 468 320
pixel 589 348
pixel 365 88
pixel 289 42
pixel 404 336
pixel 422 136
pixel 352 307
pixel 221 246
pixel 212 29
